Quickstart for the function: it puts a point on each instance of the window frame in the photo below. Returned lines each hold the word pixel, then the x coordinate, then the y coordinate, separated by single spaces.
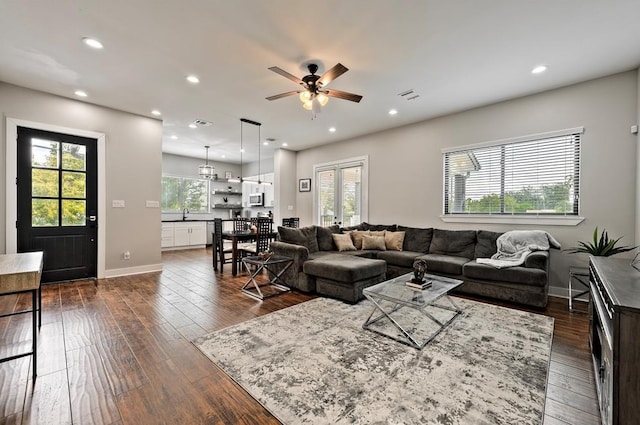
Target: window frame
pixel 538 218
pixel 207 206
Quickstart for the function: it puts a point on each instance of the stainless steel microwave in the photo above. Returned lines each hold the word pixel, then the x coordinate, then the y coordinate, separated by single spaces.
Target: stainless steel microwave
pixel 256 199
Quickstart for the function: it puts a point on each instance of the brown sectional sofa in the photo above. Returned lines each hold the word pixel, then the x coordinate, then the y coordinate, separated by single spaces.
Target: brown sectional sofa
pixel 449 253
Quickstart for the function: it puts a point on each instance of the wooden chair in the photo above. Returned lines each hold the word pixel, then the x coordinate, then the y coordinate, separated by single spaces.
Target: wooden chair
pixel 263 238
pixel 222 251
pixel 241 224
pixel 293 222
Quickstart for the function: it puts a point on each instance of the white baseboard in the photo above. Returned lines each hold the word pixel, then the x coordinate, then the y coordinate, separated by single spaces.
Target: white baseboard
pixel 133 270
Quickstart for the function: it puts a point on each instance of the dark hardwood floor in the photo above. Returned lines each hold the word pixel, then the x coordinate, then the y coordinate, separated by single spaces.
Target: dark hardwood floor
pixel 117 351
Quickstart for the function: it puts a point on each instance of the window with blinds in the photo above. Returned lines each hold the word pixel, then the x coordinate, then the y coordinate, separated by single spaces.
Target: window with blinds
pixel 532 175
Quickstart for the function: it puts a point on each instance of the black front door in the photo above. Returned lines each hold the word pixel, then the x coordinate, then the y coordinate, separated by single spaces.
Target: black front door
pixel 57 202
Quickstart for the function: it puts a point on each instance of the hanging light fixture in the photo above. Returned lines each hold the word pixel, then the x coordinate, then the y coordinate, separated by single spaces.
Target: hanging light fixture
pixel 239 179
pixel 206 171
pixel 259 163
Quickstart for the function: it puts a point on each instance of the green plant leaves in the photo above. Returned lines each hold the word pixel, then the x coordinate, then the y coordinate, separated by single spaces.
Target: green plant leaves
pixel 601 246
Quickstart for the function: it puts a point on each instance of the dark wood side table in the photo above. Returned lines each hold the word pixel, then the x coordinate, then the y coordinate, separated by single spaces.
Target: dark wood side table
pixel 21 273
pixel 252 288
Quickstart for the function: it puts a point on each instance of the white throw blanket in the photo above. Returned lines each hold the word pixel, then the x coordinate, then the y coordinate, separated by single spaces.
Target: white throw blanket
pixel 514 247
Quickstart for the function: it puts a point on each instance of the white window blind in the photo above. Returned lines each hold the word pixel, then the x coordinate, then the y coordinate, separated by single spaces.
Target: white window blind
pixel 533 175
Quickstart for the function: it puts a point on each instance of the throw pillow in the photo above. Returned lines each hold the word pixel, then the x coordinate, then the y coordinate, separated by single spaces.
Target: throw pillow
pixel 305 236
pixel 377 232
pixel 343 242
pixel 356 237
pixel 373 242
pixel 324 236
pixel 394 240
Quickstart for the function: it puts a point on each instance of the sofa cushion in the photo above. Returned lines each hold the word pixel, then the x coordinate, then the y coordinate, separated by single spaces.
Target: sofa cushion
pixel 343 242
pixel 378 227
pixel 305 236
pixel 438 263
pixel 399 258
pixel 364 253
pixel 360 226
pixel 356 237
pixel 394 240
pixel 459 243
pixel 416 239
pixel 345 268
pixel 486 243
pixel 325 239
pixel 523 275
pixel 373 242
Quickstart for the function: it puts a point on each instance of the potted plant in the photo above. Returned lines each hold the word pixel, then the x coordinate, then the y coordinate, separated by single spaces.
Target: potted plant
pixel 601 246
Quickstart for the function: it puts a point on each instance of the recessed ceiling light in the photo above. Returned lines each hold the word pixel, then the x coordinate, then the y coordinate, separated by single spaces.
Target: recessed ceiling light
pixel 332 129
pixel 265 143
pixel 224 156
pixel 193 79
pixel 156 112
pixel 192 125
pixel 393 111
pixel 285 144
pixel 92 42
pixel 242 150
pixel 174 137
pixel 80 93
pixel 539 69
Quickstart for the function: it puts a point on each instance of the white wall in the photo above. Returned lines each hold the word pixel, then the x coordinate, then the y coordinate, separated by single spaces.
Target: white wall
pixel 405 164
pixel 285 184
pixel 133 170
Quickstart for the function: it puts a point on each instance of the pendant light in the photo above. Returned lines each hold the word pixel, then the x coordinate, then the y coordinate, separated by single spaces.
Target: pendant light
pixel 239 179
pixel 206 171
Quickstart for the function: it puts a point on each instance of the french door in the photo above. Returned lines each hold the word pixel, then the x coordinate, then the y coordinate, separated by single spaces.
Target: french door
pixel 57 202
pixel 341 195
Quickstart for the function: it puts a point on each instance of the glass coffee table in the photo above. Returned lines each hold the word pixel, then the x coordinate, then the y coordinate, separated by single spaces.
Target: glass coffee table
pixel 411 316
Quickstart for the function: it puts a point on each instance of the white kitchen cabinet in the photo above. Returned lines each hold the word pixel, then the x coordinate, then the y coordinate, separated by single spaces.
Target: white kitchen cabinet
pixel 184 234
pixel 167 235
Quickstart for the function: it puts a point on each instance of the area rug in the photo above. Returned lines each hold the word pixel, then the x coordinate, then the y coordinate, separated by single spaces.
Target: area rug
pixel 314 364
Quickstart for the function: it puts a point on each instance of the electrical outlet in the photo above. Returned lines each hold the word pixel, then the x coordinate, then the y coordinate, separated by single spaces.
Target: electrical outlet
pixel 126 255
pixel 117 203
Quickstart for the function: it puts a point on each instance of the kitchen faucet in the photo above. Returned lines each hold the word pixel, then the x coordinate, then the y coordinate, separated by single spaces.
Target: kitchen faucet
pixel 185 211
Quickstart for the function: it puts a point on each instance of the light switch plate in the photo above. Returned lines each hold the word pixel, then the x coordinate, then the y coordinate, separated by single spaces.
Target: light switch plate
pixel 153 204
pixel 117 203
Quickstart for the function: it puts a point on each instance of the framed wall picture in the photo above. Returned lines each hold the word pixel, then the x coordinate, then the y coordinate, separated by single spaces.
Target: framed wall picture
pixel 304 185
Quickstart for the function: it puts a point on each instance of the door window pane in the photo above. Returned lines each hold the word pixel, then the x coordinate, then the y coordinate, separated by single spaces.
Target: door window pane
pixel 44 212
pixel 44 153
pixel 74 157
pixel 73 185
pixel 73 213
pixel 326 194
pixel 44 183
pixel 351 196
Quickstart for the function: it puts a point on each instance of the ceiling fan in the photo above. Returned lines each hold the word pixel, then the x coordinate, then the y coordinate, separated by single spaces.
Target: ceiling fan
pixel 313 93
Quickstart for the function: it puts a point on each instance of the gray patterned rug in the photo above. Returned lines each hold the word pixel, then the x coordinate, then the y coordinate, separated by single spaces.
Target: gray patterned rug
pixel 314 364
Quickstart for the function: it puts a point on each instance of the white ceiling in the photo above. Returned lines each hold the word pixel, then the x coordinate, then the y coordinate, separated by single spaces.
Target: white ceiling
pixel 455 54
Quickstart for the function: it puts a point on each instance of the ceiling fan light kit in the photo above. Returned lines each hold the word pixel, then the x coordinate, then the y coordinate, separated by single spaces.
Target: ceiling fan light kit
pixel 313 96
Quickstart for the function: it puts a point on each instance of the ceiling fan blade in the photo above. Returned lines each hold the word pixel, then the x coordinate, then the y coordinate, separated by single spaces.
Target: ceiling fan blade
pixel 343 95
pixel 332 74
pixel 281 95
pixel 285 74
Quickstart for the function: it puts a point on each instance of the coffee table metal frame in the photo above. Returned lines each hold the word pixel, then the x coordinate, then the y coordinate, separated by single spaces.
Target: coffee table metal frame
pixel 390 296
pixel 261 264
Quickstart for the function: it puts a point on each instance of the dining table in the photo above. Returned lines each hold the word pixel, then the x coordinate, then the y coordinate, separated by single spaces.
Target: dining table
pixel 235 237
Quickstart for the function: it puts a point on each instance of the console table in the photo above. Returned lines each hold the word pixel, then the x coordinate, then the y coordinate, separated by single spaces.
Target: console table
pixel 21 273
pixel 614 316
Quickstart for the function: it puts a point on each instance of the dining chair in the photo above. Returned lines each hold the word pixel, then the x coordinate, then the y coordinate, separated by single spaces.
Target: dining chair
pixel 293 222
pixel 222 250
pixel 240 224
pixel 263 238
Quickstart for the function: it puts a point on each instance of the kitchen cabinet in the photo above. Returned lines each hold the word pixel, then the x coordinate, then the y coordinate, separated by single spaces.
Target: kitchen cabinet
pixel 184 234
